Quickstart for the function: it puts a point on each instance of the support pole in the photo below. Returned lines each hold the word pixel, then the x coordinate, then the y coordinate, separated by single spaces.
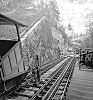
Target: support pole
pixel 17 29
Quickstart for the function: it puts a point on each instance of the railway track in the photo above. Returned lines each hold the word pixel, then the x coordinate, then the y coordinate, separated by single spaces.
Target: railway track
pixel 47 91
pixel 46 67
pixel 50 65
pixel 48 88
pixel 60 90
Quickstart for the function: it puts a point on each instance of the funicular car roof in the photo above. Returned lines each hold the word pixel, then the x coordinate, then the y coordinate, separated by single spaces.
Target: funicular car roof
pixel 8 25
pixel 4 20
pixel 6 44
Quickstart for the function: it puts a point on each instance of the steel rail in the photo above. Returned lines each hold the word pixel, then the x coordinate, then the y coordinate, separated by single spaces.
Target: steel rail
pixel 44 69
pixel 49 79
pixel 64 83
pixel 44 85
pixel 68 80
pixel 56 84
pixel 49 66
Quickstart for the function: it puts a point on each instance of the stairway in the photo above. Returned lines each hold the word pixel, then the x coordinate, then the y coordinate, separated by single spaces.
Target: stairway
pixel 81 85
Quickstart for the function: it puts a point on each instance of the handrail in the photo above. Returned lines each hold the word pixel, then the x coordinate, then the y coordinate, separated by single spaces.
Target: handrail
pixel 30 29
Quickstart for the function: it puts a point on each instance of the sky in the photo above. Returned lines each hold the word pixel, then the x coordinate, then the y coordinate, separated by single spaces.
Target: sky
pixel 75 14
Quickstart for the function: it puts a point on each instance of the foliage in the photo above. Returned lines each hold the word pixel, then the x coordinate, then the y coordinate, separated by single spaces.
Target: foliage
pixel 50 10
pixel 54 10
pixel 42 39
pixel 69 27
pixel 90 32
pixel 64 35
pixel 88 41
pixel 11 5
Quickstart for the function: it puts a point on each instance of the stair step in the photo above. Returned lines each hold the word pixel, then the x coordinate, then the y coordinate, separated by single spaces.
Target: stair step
pixel 81 84
pixel 84 73
pixel 76 97
pixel 80 93
pixel 18 98
pixel 82 88
pixel 88 76
pixel 82 81
pixel 83 78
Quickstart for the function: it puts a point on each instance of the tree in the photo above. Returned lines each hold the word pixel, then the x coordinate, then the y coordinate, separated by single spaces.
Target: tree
pixel 50 10
pixel 90 33
pixel 88 41
pixel 41 7
pixel 85 43
pixel 54 11
pixel 69 27
pixel 1 1
pixel 64 35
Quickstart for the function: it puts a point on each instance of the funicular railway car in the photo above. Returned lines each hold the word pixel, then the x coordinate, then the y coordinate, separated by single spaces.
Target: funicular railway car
pixel 12 69
pixel 86 58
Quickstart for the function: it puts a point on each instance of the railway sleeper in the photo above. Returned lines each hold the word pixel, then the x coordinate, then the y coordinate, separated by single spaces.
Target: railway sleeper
pixel 56 76
pixel 51 83
pixel 61 88
pixel 39 85
pixel 64 81
pixel 56 97
pixel 32 89
pixel 42 82
pixel 49 86
pixel 46 89
pixel 29 84
pixel 66 77
pixel 53 80
pixel 38 97
pixel 62 84
pixel 26 93
pixel 59 92
pixel 42 94
pixel 67 74
pixel 46 79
